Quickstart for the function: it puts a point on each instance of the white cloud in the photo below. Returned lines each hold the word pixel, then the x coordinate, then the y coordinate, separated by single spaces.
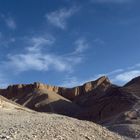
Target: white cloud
pixel 35 58
pixel 59 18
pixel 127 76
pixel 9 21
pixel 120 76
pixel 37 61
pixel 110 1
pixel 134 66
pixel 81 45
pixel 36 43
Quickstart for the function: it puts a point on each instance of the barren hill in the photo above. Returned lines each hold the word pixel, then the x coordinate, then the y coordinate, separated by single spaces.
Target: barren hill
pixel 37 97
pixel 117 108
pixel 23 125
pixel 19 123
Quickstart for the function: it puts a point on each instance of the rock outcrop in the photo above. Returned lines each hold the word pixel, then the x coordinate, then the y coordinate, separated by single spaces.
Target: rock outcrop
pixel 98 101
pixel 40 97
pixel 70 93
pixel 104 106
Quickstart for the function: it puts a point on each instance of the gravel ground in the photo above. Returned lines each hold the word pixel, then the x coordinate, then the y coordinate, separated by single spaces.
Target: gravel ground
pixel 16 124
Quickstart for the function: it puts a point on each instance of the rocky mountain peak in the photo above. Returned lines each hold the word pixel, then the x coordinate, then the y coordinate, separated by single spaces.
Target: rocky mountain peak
pixel 70 93
pixel 102 83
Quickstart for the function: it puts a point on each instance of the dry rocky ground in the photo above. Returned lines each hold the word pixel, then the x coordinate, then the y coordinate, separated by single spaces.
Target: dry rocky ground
pixel 19 124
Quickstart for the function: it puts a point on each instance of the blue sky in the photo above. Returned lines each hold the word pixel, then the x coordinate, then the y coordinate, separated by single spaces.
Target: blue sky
pixel 69 42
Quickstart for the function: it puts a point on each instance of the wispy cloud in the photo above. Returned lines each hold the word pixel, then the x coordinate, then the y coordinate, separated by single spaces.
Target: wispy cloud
pixel 122 76
pixel 36 43
pixel 127 76
pixel 118 76
pixel 59 17
pixel 35 58
pixel 37 61
pixel 9 21
pixel 81 45
pixel 110 1
pixel 134 66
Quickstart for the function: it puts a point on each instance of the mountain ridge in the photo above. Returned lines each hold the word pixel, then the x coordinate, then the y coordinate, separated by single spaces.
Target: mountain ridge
pixel 98 101
pixel 74 91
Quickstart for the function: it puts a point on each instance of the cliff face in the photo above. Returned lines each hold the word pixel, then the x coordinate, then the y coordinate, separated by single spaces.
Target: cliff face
pixel 70 93
pixel 17 90
pixel 40 97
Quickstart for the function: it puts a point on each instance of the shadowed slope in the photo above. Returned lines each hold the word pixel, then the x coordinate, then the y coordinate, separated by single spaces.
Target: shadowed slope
pixel 40 99
pixel 128 122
